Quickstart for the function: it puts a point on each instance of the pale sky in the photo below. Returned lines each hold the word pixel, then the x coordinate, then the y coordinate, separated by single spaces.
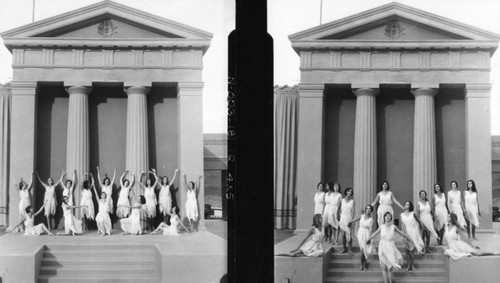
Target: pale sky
pixel 286 17
pixel 214 16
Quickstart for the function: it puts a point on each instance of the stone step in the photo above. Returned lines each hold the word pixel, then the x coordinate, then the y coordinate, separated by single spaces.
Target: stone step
pixel 78 261
pixel 104 270
pixel 375 256
pixel 99 247
pixel 375 264
pixel 98 254
pixel 380 279
pixel 376 271
pixel 101 279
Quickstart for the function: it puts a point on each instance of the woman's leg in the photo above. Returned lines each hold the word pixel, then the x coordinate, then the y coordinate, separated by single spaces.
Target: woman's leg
pixel 427 239
pixel 408 259
pixel 44 228
pixel 362 260
pixel 468 227
pixel 344 243
pixel 384 274
pixel 473 232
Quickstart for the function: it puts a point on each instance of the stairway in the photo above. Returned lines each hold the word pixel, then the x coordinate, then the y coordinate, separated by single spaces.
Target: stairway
pixel 99 263
pixel 344 268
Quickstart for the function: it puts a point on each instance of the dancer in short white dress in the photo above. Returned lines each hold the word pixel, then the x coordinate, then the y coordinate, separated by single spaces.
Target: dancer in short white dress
pixel 107 187
pixel 410 226
pixel 331 212
pixel 50 198
pixel 72 226
pixel 440 212
pixel 171 230
pixel 28 220
pixel 191 201
pixel 150 195
pixel 102 217
pixel 87 210
pixel 123 197
pixel 455 203
pixel 472 210
pixel 132 224
pixel 364 232
pixel 389 256
pixel 346 215
pixel 165 197
pixel 319 199
pixel 312 244
pixel 425 215
pixel 68 188
pixel 24 195
pixel 385 198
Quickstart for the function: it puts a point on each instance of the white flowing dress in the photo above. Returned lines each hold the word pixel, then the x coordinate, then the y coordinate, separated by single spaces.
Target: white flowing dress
pixel 191 205
pixel 70 221
pixel 413 231
pixel 132 224
pixel 88 204
pixel 149 194
pixel 24 201
pixel 457 248
pixel 470 199
pixel 440 211
pixel 314 245
pixel 165 200
pixel 332 201
pixel 109 191
pixel 319 202
pixel 426 217
pixel 389 255
pixel 102 218
pixel 66 193
pixel 384 205
pixel 364 232
pixel 32 230
pixel 49 199
pixel 171 230
pixel 121 211
pixel 346 211
pixel 455 199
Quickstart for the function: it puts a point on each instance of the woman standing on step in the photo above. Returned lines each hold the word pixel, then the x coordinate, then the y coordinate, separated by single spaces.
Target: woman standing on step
pixel 346 215
pixel 319 198
pixel 426 217
pixel 102 217
pixel 385 198
pixel 192 200
pixel 455 203
pixel 410 226
pixel 441 212
pixel 331 211
pixel 389 256
pixel 107 186
pixel 150 195
pixel 69 187
pixel 86 201
pixel 132 224
pixel 24 195
pixel 471 208
pixel 171 230
pixel 72 225
pixel 312 244
pixel 165 197
pixel 123 198
pixel 49 198
pixel 364 232
pixel 28 218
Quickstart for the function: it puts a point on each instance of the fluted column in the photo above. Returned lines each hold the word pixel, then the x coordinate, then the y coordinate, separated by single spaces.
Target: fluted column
pixel 365 148
pixel 424 142
pixel 77 144
pixel 4 154
pixel 137 153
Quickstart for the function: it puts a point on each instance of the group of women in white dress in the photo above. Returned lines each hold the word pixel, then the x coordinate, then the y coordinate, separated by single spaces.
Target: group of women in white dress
pixel 442 217
pixel 143 207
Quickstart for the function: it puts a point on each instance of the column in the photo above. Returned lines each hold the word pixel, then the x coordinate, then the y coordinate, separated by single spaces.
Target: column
pixel 190 119
pixel 478 147
pixel 137 154
pixel 365 148
pixel 22 141
pixel 309 151
pixel 424 142
pixel 77 146
pixel 4 154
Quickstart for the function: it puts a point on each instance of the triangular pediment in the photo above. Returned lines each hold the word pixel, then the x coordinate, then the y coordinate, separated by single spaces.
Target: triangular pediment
pixel 394 22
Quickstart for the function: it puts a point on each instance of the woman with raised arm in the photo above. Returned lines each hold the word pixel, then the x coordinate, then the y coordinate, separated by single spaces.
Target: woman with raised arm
pixel 28 219
pixel 346 215
pixel 471 208
pixel 364 232
pixel 132 224
pixel 72 226
pixel 107 187
pixel 389 256
pixel 123 198
pixel 69 187
pixel 385 198
pixel 50 198
pixel 312 244
pixel 171 229
pixel 165 198
pixel 24 195
pixel 150 195
pixel 86 202
pixel 410 225
pixel 191 200
pixel 102 217
pixel 426 216
pixel 455 203
pixel 441 212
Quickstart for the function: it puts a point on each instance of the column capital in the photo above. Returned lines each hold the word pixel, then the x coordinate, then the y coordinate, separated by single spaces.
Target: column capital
pixel 311 90
pixel 477 90
pixel 137 90
pixel 424 91
pixel 365 91
pixel 78 89
pixel 26 88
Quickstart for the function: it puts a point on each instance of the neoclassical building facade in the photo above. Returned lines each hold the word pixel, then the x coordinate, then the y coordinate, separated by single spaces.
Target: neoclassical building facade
pixel 105 85
pixel 393 93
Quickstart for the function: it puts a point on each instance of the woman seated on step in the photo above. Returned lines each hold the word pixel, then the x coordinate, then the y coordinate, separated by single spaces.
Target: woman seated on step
pixel 312 244
pixel 28 219
pixel 171 229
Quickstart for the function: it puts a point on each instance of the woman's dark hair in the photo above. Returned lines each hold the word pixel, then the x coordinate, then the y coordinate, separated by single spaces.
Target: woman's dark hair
pixel 192 184
pixel 338 184
pixel 320 183
pixel 126 180
pixel 424 193
pixel 65 199
pixel 86 184
pixel 473 186
pixel 387 212
pixel 454 218
pixel 370 206
pixel 388 186
pixel 27 209
pixel 164 183
pixel 21 183
pixel 411 208
pixel 456 184
pixel 316 222
pixel 142 199
pixel 71 182
pixel 104 180
pixel 330 186
pixel 348 189
pixel 176 209
pixel 440 189
pixel 106 195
